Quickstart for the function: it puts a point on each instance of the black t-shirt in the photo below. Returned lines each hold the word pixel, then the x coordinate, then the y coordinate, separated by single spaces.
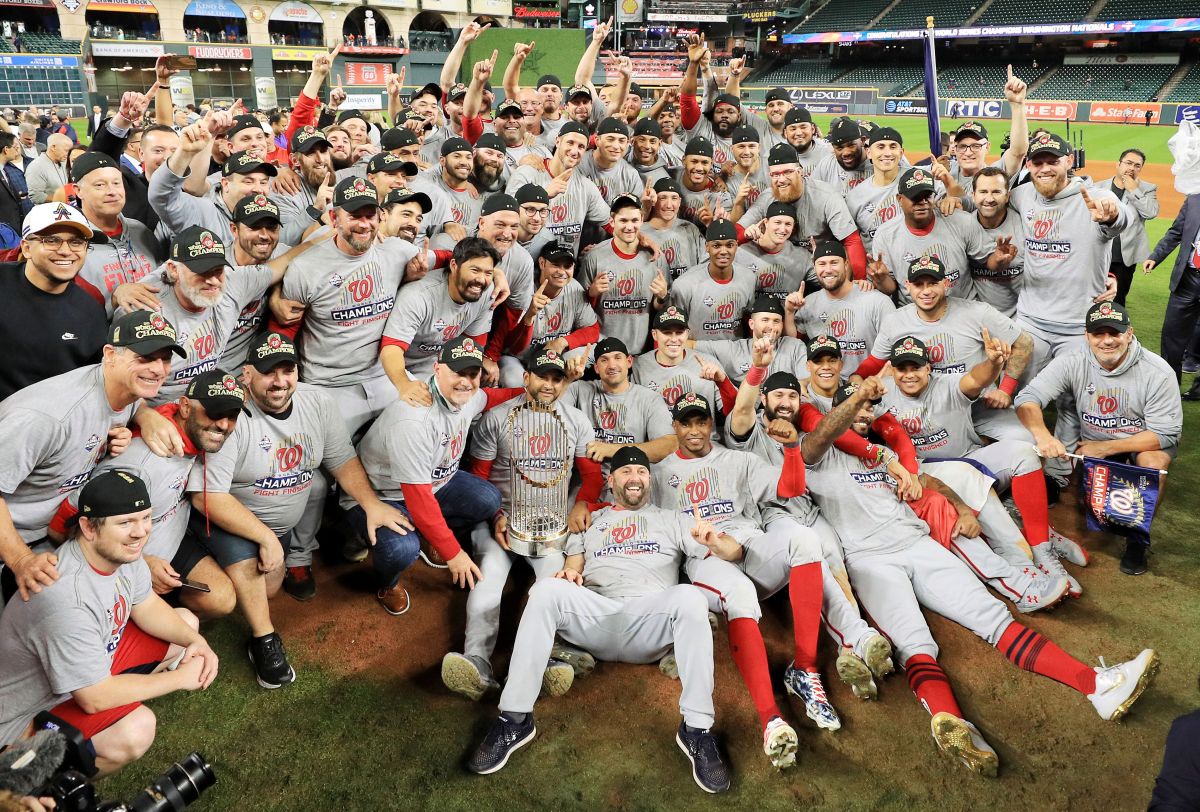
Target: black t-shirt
pixel 44 334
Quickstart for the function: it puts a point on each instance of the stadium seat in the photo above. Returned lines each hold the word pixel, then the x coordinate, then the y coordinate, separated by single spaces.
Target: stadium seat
pixel 842 16
pixel 908 14
pixel 48 44
pixel 1188 89
pixel 1141 10
pixel 1108 82
pixel 1020 12
pixel 967 84
pixel 801 72
pixel 892 80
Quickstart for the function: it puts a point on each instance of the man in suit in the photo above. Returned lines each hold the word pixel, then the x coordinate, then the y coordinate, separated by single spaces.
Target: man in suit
pixel 157 144
pixel 1181 318
pixel 94 120
pixel 1132 245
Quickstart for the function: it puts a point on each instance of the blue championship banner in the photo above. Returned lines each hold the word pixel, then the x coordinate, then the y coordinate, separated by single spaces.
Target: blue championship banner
pixel 1120 498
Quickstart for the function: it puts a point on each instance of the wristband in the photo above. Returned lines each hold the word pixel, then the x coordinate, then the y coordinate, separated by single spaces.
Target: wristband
pixel 756 375
pixel 314 213
pixel 1008 385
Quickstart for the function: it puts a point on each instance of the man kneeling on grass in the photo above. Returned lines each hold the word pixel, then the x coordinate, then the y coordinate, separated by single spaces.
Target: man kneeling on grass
pixel 619 597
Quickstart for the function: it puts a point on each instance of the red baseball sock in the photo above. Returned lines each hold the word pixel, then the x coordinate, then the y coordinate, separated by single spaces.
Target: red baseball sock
pixel 804 589
pixel 1027 649
pixel 931 685
pixel 1029 492
pixel 750 657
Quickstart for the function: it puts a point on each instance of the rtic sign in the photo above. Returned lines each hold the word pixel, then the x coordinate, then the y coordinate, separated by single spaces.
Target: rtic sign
pixel 973 108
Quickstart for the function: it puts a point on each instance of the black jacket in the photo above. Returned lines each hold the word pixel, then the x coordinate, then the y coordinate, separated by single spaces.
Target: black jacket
pixel 137 206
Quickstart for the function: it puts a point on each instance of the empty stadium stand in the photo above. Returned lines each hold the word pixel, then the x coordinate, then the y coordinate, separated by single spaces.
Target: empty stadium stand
pixel 962 81
pixel 1188 89
pixel 1141 10
pixel 802 72
pixel 1125 82
pixel 892 80
pixel 35 43
pixel 912 15
pixel 1021 12
pixel 840 15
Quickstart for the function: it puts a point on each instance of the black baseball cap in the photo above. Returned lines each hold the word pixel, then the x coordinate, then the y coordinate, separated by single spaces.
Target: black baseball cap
pixel 254 209
pixel 219 393
pixel 244 122
pixel 728 98
pixel 844 130
pixel 607 345
pixel 455 144
pixel 408 196
pixel 271 351
pixel 244 163
pixel 498 202
pixel 829 248
pixel 491 141
pixel 778 94
pixel 571 127
pixel 549 79
pixel 398 137
pixel 199 249
pixel 915 183
pixel 548 362
pixel 509 107
pixel 1049 142
pixel 720 230
pixel 688 405
pixel 461 353
pixel 144 332
pixel 352 194
pixel 818 346
pixel 927 265
pixel 668 184
pixel 306 139
pixel 457 91
pixel 431 89
pixel 112 493
pixel 612 126
pixel 782 153
pixel 670 318
pixel 387 162
pixel 636 90
pixel 764 303
pixel 578 90
pixel 971 128
pixel 346 115
pixel 413 115
pixel 797 115
pixel 909 350
pixel 628 455
pixel 625 201
pixel 532 193
pixel 885 134
pixel 89 162
pixel 780 209
pixel 744 134
pixel 557 252
pixel 698 145
pixel 1106 316
pixel 647 126
pixel 781 380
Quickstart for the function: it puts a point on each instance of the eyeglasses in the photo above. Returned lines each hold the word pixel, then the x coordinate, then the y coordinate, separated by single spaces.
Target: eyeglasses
pixel 979 146
pixel 53 243
pixel 530 211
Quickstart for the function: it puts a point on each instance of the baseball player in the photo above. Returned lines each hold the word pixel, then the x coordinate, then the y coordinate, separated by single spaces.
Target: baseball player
pixel 746 172
pixel 533 206
pixel 897 569
pixel 605 164
pixel 848 166
pixel 618 595
pixel 841 309
pixel 1128 405
pixel 716 293
pixel 701 198
pixel 801 132
pixel 451 176
pixel 646 153
pixel 673 370
pixel 496 448
pixel 998 288
pixel 781 266
pixel 875 201
pixel 681 242
pixel 766 321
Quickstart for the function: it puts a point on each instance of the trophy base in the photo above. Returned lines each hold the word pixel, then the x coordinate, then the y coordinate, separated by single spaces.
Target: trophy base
pixel 536 547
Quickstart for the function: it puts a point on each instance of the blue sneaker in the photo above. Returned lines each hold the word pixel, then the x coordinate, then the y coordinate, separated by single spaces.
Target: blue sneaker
pixel 807 687
pixel 700 747
pixel 502 739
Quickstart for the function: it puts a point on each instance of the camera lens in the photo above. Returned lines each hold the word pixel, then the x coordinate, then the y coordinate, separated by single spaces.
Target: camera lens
pixel 176 788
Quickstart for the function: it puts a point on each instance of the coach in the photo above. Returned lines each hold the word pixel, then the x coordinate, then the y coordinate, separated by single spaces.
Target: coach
pixel 1182 315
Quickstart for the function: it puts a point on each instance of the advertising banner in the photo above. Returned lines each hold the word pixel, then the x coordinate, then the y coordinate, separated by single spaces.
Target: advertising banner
pixel 1050 110
pixel 973 108
pixel 364 101
pixel 1125 112
pixel 367 73
pixel 219 52
pixel 905 107
pixel 264 92
pixel 126 49
pixel 296 12
pixel 1045 29
pixel 1187 112
pixel 630 11
pixel 182 93
pixel 296 54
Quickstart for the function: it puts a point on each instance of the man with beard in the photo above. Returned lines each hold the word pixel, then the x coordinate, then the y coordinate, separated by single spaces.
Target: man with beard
pixel 726 112
pixel 624 284
pixel 130 251
pixel 954 240
pixel 801 133
pixel 778 103
pixel 203 418
pixel 341 148
pixel 716 293
pixel 841 309
pixel 681 243
pixel 312 161
pixel 606 166
pixel 746 172
pixel 390 172
pixel 780 266
pixel 645 151
pixel 550 117
pixel 971 144
pixel 565 322
pixel 674 371
pixel 703 198
pixel 819 211
pixel 206 300
pixel 574 199
pixel 250 495
pixel 404 214
pixel 256 222
pixel 633 609
pixel 848 166
pixel 1000 288
pixel 489 167
pixel 500 442
pixel 435 310
pixel 875 201
pixel 53 432
pixel 509 124
pixel 452 178
pixel 766 321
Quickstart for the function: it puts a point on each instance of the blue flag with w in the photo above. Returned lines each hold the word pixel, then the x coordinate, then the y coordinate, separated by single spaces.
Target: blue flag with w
pixel 1120 498
pixel 931 93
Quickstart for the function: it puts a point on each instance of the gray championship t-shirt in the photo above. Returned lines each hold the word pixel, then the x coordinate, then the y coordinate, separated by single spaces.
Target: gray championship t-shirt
pixel 681 243
pixel 623 310
pixel 938 420
pixel 871 206
pixel 580 203
pixel 126 257
pixel 853 321
pixel 735 356
pixel 955 341
pixel 1000 289
pixel 778 272
pixel 425 318
pixel 672 383
pixel 956 240
pixel 728 488
pixel 618 179
pixel 715 309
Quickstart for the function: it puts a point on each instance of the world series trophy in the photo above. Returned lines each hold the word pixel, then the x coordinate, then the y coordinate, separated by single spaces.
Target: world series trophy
pixel 539 480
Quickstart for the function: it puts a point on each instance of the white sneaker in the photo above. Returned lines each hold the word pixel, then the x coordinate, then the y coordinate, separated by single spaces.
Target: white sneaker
pixel 1045 591
pixel 1068 549
pixel 962 740
pixel 1048 563
pixel 1118 687
pixel 780 742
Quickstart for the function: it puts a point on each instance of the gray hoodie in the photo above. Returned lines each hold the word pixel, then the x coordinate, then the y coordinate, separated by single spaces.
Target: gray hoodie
pixel 1141 394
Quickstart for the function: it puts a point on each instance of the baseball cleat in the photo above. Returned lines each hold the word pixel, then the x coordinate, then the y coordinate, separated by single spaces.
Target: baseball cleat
pixel 807 687
pixel 1118 687
pixel 557 679
pixel 1068 549
pixel 502 739
pixel 780 742
pixel 700 747
pixel 580 661
pixel 855 673
pixel 876 652
pixel 463 675
pixel 669 666
pixel 1048 563
pixel 962 740
pixel 1045 591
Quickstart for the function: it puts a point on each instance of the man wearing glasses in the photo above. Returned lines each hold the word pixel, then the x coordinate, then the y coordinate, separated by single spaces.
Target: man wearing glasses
pixel 971 147
pixel 48 324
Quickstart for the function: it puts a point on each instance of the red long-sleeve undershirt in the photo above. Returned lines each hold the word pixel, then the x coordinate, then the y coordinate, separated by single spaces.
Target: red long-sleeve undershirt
pixel 689 110
pixel 869 366
pixel 854 444
pixel 590 485
pixel 791 480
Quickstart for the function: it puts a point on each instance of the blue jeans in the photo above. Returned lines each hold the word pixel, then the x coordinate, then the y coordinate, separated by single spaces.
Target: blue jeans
pixel 465 501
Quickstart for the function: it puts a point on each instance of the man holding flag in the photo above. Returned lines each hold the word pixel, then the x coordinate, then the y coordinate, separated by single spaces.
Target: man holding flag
pixel 1128 404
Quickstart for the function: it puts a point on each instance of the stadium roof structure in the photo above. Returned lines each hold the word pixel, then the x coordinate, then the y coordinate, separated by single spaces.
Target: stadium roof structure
pixel 993 31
